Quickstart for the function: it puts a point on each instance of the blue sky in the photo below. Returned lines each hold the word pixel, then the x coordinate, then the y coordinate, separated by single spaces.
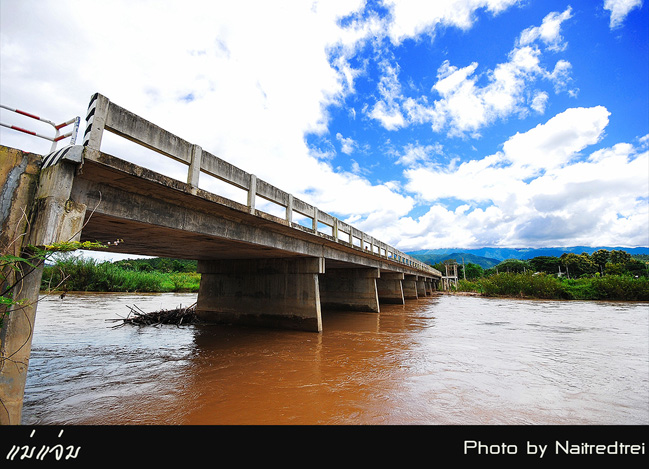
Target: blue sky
pixel 428 124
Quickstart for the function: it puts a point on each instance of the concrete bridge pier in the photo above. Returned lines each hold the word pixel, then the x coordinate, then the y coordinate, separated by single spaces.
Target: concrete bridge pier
pixel 389 288
pixel 280 293
pixel 421 287
pixel 410 287
pixel 350 289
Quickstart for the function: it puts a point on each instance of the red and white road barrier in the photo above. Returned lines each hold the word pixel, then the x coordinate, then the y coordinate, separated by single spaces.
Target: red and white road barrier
pixel 57 127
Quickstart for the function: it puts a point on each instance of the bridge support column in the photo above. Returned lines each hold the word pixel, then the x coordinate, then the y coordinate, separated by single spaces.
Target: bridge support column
pixel 410 287
pixel 389 288
pixel 421 287
pixel 55 218
pixel 350 289
pixel 282 293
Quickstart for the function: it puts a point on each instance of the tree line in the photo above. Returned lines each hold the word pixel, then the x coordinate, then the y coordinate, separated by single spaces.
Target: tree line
pixel 157 264
pixel 603 275
pixel 569 265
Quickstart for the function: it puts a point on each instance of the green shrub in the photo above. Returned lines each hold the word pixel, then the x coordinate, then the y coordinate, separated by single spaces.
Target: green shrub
pixel 619 287
pixel 525 285
pixel 469 286
pixel 81 274
pixel 543 286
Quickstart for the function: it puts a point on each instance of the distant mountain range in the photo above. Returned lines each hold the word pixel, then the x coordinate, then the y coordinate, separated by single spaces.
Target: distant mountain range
pixel 489 257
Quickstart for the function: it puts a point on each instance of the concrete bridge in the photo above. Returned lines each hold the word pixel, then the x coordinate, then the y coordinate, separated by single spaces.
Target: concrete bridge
pixel 256 268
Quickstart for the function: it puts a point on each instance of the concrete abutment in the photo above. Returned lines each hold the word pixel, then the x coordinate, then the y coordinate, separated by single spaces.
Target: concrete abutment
pixel 48 216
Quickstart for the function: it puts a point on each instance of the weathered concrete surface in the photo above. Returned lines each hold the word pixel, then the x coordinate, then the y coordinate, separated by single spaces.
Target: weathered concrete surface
pixel 350 289
pixel 410 287
pixel 421 288
pixel 51 216
pixel 389 288
pixel 18 179
pixel 282 293
pixel 17 334
pixel 57 216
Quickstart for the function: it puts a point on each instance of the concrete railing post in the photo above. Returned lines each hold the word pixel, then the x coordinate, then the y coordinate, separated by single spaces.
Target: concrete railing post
pixel 289 209
pixel 315 220
pixel 95 121
pixel 194 171
pixel 252 192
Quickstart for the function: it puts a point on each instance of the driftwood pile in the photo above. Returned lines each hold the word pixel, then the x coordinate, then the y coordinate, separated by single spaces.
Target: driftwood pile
pixel 177 316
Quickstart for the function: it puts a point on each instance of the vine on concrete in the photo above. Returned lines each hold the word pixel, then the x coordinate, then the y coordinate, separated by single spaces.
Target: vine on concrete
pixel 22 266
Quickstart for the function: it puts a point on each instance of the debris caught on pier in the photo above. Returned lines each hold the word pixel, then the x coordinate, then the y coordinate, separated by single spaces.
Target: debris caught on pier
pixel 178 316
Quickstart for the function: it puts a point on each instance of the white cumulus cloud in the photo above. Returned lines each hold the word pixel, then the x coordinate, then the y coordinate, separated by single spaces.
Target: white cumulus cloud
pixel 539 188
pixel 620 9
pixel 461 104
pixel 415 17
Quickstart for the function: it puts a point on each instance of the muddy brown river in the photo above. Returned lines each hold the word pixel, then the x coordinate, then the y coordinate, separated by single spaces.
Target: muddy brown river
pixel 444 360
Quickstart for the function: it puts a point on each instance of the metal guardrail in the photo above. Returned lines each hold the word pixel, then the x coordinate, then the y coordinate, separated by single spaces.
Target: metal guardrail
pixel 57 127
pixel 104 115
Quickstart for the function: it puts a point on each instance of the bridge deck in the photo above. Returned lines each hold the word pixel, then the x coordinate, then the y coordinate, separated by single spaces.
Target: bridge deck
pixel 157 215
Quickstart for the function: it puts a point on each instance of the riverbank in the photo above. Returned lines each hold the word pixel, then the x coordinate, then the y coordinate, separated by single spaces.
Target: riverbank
pixel 89 275
pixel 543 286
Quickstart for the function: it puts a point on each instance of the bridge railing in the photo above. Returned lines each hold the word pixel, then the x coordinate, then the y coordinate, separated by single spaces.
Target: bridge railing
pixel 103 115
pixel 57 127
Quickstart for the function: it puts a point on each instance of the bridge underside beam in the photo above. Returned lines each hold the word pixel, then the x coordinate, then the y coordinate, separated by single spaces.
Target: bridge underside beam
pixel 159 216
pixel 349 289
pixel 280 293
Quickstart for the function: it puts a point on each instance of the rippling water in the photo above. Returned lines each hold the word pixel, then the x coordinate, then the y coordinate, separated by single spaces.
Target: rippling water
pixel 442 360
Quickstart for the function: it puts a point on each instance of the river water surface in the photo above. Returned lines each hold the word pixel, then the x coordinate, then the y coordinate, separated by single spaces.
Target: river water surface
pixel 441 360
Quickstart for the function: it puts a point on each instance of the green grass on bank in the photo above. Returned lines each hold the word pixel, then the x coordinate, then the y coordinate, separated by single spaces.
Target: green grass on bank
pixel 543 286
pixel 81 274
